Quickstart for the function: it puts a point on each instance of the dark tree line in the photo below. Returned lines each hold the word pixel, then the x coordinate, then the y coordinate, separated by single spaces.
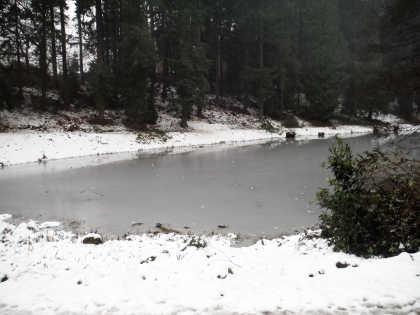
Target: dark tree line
pixel 309 57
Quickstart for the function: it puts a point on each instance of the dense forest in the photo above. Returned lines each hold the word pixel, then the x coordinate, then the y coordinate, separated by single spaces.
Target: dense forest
pixel 312 58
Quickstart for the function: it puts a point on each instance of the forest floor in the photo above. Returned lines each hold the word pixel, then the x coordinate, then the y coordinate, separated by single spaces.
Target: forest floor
pixel 28 136
pixel 45 270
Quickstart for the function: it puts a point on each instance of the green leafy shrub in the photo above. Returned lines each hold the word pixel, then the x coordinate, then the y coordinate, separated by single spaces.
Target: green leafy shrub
pixel 196 242
pixel 373 204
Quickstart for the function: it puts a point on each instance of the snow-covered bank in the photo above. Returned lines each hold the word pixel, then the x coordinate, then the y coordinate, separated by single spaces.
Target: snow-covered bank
pixel 343 131
pixel 32 135
pixel 48 271
pixel 25 147
pixel 17 148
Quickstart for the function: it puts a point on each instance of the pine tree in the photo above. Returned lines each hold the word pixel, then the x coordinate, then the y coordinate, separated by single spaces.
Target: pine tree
pixel 81 6
pixel 190 64
pixel 136 65
pixel 53 43
pixel 256 75
pixel 324 58
pixel 400 42
pixel 40 21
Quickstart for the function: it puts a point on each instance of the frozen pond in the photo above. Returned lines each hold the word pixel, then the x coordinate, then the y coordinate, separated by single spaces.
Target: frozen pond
pixel 254 190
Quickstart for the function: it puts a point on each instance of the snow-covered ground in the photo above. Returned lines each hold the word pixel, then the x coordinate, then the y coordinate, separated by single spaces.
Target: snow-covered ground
pixel 24 147
pixel 46 270
pixel 387 118
pixel 34 136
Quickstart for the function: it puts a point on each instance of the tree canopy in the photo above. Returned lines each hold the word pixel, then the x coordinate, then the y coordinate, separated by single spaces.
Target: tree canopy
pixel 310 57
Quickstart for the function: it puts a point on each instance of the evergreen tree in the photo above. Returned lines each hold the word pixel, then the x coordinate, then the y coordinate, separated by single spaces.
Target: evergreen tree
pixel 136 63
pixel 40 10
pixel 324 58
pixel 300 55
pixel 188 63
pixel 400 41
pixel 53 40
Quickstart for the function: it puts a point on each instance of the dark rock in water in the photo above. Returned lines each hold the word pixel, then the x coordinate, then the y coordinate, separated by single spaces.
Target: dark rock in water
pixel 290 135
pixel 396 129
pixel 321 134
pixel 4 278
pixel 355 265
pixel 158 225
pixel 79 282
pixel 222 226
pixel 342 265
pixel 94 239
pixel 311 275
pixel 136 224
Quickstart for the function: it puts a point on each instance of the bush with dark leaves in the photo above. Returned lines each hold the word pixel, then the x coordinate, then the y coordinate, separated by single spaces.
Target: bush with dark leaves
pixel 373 204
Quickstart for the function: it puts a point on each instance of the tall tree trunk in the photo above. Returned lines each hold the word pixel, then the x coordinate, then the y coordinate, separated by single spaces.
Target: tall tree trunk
pixel 218 51
pixel 105 31
pixel 152 114
pixel 43 54
pixel 116 13
pixel 100 100
pixel 18 49
pixel 197 43
pixel 244 83
pixel 64 84
pixel 99 33
pixel 80 33
pixel 53 47
pixel 299 51
pixel 261 60
pixel 282 88
pixel 165 73
pixel 27 46
pixel 63 39
pixel 261 41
